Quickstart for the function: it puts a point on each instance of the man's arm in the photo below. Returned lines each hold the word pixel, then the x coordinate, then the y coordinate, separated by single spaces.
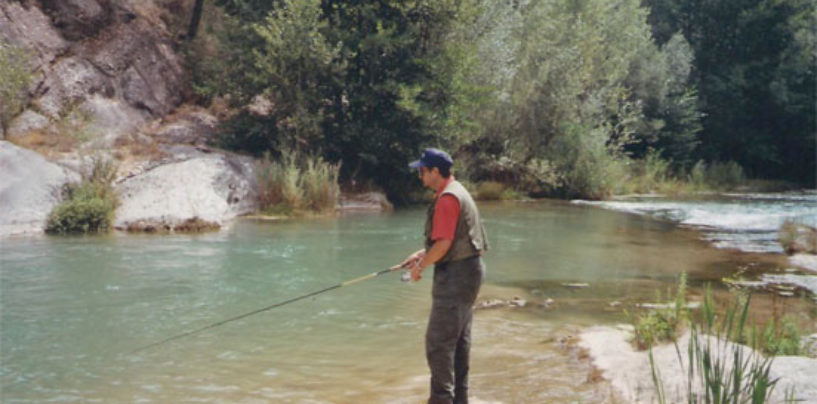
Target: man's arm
pixel 434 254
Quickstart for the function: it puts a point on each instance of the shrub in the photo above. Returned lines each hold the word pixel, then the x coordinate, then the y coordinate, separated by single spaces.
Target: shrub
pixel 87 207
pixel 14 80
pixel 490 191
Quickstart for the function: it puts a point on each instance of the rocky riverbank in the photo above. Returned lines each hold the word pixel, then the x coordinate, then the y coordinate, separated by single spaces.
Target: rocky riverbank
pixel 630 373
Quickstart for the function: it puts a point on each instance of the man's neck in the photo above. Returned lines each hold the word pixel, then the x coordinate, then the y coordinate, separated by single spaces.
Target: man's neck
pixel 441 186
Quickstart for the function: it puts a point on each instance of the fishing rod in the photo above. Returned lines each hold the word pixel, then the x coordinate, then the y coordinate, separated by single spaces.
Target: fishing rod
pixel 263 309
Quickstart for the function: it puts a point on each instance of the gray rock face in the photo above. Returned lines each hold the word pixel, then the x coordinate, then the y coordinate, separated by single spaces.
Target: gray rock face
pixel 27 122
pixel 29 189
pixel 212 189
pixel 194 127
pixel 146 71
pixel 70 82
pixel 77 19
pixel 26 26
pixel 90 51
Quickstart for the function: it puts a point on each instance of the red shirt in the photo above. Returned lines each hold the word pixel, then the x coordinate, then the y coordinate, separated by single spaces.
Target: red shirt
pixel 446 213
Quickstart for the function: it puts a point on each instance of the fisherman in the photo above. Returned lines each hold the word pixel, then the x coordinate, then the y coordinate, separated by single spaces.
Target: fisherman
pixel 454 242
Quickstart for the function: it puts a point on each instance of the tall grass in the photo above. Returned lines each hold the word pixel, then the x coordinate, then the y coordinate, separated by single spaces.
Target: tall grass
pixel 719 371
pixel 295 184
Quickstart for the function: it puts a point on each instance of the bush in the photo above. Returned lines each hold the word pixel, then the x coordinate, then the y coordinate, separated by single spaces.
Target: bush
pixel 14 81
pixel 490 191
pixel 87 207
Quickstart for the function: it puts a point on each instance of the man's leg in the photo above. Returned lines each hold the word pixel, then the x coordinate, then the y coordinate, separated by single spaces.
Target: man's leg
pixel 462 361
pixel 441 342
pixel 471 274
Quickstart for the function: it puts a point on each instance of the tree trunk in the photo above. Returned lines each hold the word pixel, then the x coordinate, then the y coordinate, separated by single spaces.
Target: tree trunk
pixel 195 19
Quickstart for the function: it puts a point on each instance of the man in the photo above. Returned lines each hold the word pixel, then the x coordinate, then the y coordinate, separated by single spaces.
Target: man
pixel 454 242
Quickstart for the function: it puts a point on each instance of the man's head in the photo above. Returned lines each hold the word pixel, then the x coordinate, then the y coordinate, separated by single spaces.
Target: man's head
pixel 433 167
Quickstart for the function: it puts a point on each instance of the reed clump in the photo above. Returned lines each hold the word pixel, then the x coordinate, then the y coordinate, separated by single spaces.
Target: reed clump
pixel 718 369
pixel 296 184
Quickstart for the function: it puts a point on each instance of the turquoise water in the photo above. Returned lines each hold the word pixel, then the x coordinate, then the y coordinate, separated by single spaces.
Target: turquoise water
pixel 74 308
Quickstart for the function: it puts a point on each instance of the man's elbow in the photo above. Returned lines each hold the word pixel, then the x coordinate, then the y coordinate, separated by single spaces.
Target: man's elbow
pixel 445 245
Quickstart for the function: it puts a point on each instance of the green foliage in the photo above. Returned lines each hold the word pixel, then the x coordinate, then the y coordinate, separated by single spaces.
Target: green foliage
pixel 755 72
pixel 87 207
pixel 14 81
pixel 725 175
pixel 295 184
pixel 663 323
pixel 779 337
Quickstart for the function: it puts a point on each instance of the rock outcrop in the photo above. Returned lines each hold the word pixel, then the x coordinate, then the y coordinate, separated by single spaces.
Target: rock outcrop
pixel 29 188
pixel 205 190
pixel 630 373
pixel 101 58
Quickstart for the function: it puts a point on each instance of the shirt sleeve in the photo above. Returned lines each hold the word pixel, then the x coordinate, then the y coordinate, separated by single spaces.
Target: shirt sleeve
pixel 446 213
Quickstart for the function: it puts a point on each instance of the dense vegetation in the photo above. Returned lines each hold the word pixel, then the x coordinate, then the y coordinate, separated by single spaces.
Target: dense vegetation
pixel 561 97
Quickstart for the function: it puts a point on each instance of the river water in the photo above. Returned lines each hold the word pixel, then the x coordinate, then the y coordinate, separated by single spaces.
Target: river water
pixel 74 308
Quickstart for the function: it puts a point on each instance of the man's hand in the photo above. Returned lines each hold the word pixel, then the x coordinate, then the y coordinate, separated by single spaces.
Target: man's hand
pixel 413 259
pixel 416 271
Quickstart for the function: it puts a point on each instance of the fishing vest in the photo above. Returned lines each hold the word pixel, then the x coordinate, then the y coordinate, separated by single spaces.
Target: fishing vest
pixel 469 235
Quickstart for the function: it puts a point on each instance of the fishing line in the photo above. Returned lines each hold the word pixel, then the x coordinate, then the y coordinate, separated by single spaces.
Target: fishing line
pixel 263 309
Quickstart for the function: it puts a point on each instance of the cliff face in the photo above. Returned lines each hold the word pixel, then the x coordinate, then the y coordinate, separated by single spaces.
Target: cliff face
pixel 112 60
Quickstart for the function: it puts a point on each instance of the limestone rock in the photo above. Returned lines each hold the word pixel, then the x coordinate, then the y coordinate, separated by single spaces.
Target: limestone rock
pixel 147 72
pixel 29 189
pixel 26 26
pixel 71 81
pixel 192 127
pixel 110 119
pixel 27 122
pixel 207 189
pixel 77 19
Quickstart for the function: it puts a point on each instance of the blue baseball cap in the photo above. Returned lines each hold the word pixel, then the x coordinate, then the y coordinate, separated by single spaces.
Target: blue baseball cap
pixel 433 158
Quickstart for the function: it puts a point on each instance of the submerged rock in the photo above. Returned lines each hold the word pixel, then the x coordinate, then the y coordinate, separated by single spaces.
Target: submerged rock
pixel 364 202
pixel 576 285
pixel 29 188
pixel 201 192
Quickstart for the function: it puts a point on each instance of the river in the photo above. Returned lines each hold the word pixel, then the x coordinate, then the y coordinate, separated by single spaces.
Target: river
pixel 74 308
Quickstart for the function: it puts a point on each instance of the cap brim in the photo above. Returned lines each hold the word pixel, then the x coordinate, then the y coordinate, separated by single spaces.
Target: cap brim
pixel 415 165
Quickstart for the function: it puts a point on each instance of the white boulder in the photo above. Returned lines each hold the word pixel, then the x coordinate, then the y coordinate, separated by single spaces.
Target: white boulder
pixel 210 189
pixel 29 188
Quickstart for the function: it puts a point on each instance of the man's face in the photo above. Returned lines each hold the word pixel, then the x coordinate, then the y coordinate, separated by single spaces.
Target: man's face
pixel 428 176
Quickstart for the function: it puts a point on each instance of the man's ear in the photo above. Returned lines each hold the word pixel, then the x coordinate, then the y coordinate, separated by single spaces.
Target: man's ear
pixel 434 170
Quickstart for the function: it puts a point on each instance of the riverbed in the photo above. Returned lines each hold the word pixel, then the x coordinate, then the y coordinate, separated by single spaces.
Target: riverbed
pixel 74 308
